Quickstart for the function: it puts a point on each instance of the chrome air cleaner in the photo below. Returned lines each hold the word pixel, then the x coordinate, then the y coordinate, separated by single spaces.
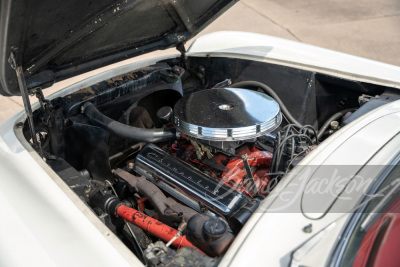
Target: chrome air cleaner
pixel 227 114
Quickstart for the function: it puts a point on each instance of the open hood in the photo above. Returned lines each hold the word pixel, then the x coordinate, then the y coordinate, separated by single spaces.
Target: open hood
pixel 56 39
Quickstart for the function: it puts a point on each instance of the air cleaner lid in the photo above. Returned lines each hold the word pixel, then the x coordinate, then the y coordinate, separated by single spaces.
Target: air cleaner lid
pixel 226 114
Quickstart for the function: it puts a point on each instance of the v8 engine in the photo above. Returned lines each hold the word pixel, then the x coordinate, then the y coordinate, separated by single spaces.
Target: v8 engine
pixel 213 124
pixel 171 163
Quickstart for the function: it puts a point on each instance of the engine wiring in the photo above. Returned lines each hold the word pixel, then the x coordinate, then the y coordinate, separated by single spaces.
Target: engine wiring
pixel 292 141
pixel 204 165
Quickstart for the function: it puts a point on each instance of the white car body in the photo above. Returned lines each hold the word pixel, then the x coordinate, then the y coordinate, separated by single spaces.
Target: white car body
pixel 45 224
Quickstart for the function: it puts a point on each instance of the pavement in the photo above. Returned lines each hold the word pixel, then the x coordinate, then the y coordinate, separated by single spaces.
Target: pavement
pixel 365 28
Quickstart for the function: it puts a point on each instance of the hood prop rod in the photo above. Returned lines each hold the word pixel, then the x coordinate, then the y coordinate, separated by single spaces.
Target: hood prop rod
pixel 25 97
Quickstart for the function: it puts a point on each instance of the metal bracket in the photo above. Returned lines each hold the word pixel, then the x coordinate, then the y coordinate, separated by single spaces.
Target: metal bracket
pixel 250 177
pixel 44 103
pixel 181 48
pixel 25 97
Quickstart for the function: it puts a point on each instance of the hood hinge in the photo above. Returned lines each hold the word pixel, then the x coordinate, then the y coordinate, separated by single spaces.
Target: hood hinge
pixel 25 97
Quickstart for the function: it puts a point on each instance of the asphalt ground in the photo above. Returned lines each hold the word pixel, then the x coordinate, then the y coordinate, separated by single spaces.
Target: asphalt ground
pixel 365 28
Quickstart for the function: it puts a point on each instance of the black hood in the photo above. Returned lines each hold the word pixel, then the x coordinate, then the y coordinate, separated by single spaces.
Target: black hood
pixel 56 39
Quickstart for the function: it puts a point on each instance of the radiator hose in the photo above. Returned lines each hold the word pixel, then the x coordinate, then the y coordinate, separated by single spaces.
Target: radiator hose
pixel 126 131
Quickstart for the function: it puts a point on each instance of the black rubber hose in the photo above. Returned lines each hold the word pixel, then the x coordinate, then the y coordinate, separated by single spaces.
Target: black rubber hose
pixel 334 117
pixel 268 90
pixel 126 131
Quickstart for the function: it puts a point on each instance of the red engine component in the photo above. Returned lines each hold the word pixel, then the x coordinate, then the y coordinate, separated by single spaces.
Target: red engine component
pixel 235 173
pixel 157 228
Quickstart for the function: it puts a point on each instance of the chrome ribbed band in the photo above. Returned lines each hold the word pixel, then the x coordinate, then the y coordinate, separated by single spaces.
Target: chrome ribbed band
pixel 224 134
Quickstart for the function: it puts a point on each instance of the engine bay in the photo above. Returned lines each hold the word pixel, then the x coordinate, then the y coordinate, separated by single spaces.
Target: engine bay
pixel 175 158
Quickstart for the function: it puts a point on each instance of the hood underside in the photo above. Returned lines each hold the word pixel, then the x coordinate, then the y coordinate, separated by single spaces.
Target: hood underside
pixel 54 40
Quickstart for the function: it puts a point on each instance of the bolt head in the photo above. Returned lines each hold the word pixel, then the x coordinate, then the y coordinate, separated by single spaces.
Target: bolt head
pixel 307 229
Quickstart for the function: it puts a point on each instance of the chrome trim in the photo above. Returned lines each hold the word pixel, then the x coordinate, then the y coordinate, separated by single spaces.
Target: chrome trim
pixel 179 175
